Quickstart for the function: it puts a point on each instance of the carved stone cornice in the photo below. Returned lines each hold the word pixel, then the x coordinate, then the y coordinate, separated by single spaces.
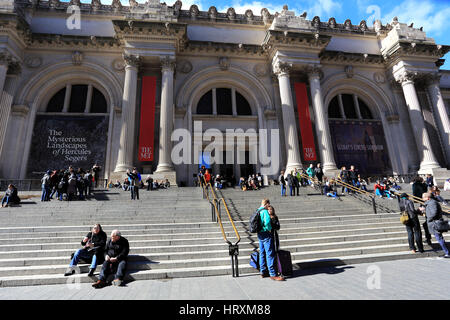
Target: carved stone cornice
pixel 132 60
pixel 354 58
pixel 220 48
pixel 275 38
pixel 75 42
pixel 412 49
pixel 149 30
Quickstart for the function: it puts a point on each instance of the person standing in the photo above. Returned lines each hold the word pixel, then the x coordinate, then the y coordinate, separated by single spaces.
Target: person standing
pixel 433 212
pixel 116 256
pixel 413 225
pixel 266 243
pixel 134 184
pixel 319 173
pixel 282 182
pixel 418 189
pixel 311 173
pixel 96 169
pixel 343 175
pixel 291 183
pixel 45 181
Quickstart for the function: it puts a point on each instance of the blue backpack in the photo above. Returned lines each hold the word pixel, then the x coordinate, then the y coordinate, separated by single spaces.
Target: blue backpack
pixel 254 223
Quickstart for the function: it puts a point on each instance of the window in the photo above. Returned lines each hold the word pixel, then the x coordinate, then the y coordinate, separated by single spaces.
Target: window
pixel 205 105
pixel 242 106
pixel 56 103
pixel 81 98
pixel 349 106
pixel 224 101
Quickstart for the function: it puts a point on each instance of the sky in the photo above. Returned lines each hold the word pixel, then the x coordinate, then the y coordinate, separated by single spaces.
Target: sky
pixel 432 15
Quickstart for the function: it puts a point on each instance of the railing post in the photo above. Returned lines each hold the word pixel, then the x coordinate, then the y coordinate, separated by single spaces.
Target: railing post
pixel 374 205
pixel 234 252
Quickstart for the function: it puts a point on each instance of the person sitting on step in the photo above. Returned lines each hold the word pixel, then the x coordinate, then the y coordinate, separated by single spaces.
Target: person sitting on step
pixel 93 249
pixel 116 256
pixel 10 197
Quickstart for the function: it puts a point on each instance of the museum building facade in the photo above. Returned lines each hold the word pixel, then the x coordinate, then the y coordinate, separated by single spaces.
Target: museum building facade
pixel 86 83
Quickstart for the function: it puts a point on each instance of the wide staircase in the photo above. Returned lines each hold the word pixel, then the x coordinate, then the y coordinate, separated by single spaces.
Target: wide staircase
pixel 321 231
pixel 172 233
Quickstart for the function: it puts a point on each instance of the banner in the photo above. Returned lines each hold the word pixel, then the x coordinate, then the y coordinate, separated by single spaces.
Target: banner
pixel 360 143
pixel 62 141
pixel 304 118
pixel 147 123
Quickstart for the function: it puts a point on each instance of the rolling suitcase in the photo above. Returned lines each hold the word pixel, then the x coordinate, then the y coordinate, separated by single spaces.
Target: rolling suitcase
pixel 283 259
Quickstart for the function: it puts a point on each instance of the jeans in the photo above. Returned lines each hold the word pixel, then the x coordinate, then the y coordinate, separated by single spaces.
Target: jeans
pixel 45 193
pixel 83 254
pixel 52 193
pixel 441 241
pixel 266 252
pixel 283 190
pixel 134 192
pixel 291 191
pixel 413 229
pixel 118 268
pixel 427 231
pixel 5 199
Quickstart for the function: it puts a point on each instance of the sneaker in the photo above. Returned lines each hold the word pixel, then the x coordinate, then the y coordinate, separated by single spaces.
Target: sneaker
pixel 91 272
pixel 69 272
pixel 99 284
pixel 279 278
pixel 447 256
pixel 117 282
pixel 413 251
pixel 264 275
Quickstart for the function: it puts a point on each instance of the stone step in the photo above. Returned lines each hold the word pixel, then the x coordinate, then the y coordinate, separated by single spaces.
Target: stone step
pixel 244 268
pixel 285 234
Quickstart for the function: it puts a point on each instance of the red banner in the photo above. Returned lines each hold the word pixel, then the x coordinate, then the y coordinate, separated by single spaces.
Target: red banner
pixel 304 118
pixel 147 124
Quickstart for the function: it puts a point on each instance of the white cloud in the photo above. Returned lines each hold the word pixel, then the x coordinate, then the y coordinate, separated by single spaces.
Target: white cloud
pixel 424 14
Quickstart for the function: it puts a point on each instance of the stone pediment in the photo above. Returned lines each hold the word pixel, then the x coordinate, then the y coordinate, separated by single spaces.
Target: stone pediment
pixel 152 10
pixel 288 20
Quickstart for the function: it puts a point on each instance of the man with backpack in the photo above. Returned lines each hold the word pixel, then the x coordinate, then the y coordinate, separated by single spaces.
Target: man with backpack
pixel 263 223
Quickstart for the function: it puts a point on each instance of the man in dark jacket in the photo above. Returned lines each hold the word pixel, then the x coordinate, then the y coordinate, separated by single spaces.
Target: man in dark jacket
pixel 413 226
pixel 319 172
pixel 93 249
pixel 433 213
pixel 418 189
pixel 116 256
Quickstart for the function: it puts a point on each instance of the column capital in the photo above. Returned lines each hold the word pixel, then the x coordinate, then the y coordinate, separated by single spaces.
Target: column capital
pixel 167 64
pixel 282 68
pixel 430 79
pixel 314 71
pixel 132 60
pixel 9 61
pixel 406 77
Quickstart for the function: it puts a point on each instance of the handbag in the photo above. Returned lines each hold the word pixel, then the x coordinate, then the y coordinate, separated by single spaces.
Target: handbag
pixel 441 225
pixel 404 218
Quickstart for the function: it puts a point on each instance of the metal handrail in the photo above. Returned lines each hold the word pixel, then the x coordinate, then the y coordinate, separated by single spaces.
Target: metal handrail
pixel 233 248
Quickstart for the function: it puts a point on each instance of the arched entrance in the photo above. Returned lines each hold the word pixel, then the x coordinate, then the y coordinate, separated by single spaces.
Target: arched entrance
pixel 357 136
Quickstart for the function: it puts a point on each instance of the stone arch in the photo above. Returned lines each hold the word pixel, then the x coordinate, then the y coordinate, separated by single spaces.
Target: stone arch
pixel 213 77
pixel 44 84
pixel 47 82
pixel 375 98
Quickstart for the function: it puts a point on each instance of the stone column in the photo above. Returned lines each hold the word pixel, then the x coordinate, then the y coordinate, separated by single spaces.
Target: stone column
pixel 427 158
pixel 440 112
pixel 127 134
pixel 287 108
pixel 321 123
pixel 8 86
pixel 166 116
